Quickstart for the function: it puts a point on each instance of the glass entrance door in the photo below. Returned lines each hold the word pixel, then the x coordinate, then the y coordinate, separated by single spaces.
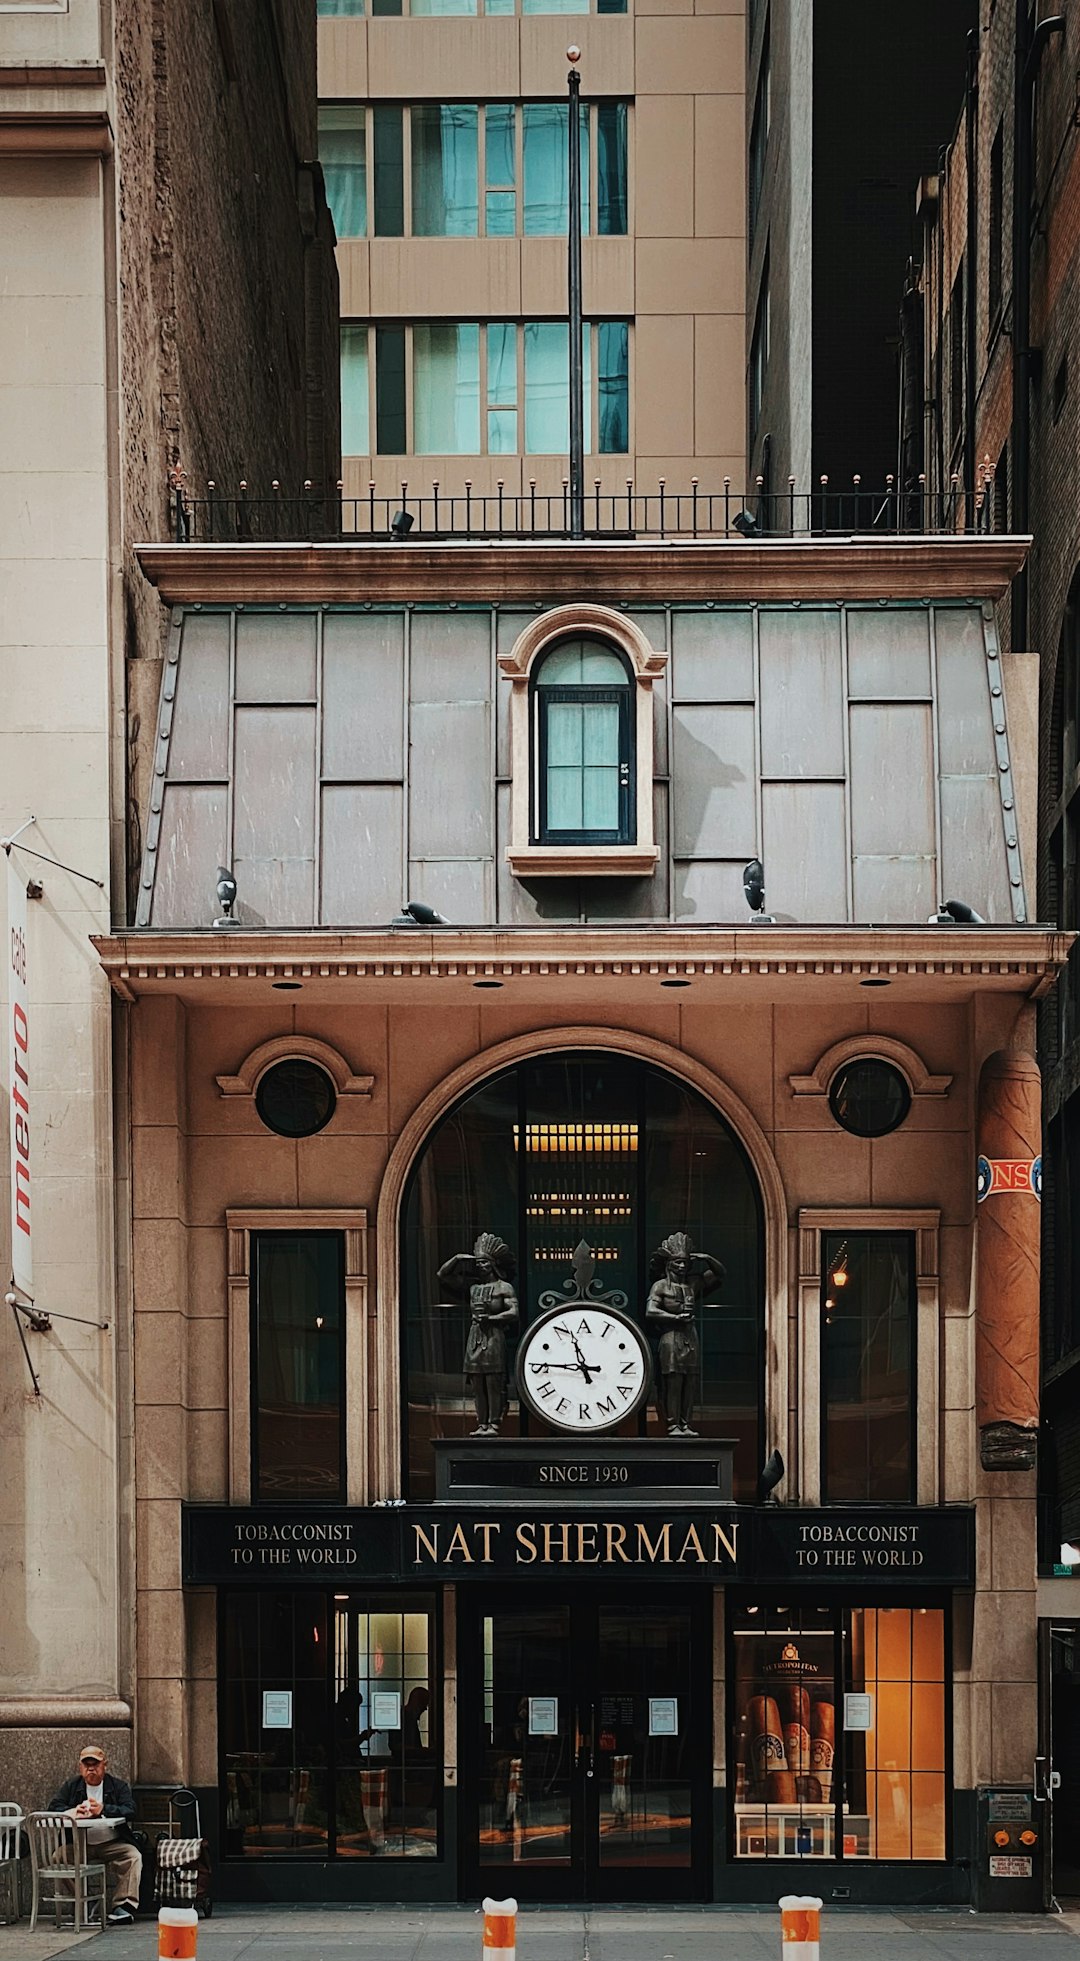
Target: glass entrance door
pixel 585 1750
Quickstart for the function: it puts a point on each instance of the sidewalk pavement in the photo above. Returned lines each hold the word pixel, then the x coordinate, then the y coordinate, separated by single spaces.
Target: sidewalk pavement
pixel 316 1933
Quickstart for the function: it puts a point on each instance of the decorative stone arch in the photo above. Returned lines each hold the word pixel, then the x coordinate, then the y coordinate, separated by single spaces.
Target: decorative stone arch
pixel 291 1048
pixel 637 859
pixel 386 1467
pixel 870 1048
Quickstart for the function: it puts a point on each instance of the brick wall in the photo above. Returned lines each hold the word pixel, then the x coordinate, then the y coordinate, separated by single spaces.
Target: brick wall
pixel 1054 520
pixel 228 314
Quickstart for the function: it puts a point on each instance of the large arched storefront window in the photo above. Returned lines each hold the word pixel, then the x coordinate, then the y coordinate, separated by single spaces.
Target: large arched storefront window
pixel 592 1146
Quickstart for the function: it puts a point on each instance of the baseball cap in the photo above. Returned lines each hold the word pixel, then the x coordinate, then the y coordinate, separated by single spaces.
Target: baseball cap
pixel 92 1750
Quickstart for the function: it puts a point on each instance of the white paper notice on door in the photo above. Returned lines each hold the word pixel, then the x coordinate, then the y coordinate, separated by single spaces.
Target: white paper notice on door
pixel 663 1715
pixel 277 1708
pixel 386 1708
pixel 858 1711
pixel 543 1715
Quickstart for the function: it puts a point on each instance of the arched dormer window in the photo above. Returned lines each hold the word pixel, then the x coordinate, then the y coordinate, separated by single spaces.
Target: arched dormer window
pixel 583 756
pixel 581 745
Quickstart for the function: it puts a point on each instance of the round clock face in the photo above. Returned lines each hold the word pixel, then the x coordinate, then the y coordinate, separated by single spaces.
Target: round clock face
pixel 583 1369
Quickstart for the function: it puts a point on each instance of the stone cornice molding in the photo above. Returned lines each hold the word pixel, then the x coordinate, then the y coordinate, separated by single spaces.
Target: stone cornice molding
pixel 63 1712
pixel 284 1048
pixel 494 571
pixel 1027 959
pixel 55 133
pixel 884 1048
pixel 54 109
pixel 648 662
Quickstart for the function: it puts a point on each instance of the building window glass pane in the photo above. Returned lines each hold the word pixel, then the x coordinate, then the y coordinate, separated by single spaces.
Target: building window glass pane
pixel 956 356
pixel 501 214
pixel 368 1662
pixel 546 169
pixel 547 386
pixel 326 8
pixel 444 150
pixel 389 171
pixel 344 163
pixel 869 1097
pixel 867 1366
pixel 298 1334
pixel 554 6
pixel 443 7
pixel 354 391
pixel 583 766
pixel 611 6
pixel 581 664
pixel 785 1722
pixel 611 169
pixel 894 1772
pixel 996 227
pixel 584 750
pixel 385 6
pixel 390 391
pixel 613 399
pixel 790 1745
pixel 559 1149
pixel 759 351
pixel 446 389
pixel 502 388
pixel 759 137
pixel 500 175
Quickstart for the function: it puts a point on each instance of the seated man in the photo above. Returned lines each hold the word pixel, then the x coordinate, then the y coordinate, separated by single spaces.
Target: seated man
pixel 108 1802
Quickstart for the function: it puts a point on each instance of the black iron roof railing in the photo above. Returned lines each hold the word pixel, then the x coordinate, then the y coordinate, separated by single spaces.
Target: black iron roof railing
pixel 311 514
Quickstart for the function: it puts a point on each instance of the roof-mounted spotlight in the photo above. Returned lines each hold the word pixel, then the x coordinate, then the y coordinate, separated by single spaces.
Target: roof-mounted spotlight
pixel 746 524
pixel 401 524
pixel 753 885
pixel 954 912
pixel 415 913
pixel 226 897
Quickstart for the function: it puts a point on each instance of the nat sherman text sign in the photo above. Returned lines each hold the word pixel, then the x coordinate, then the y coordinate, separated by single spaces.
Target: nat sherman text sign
pixel 607 1542
pixel 319 1545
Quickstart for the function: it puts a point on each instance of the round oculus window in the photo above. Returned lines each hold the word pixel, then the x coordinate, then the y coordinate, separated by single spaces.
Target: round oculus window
pixel 295 1098
pixel 869 1097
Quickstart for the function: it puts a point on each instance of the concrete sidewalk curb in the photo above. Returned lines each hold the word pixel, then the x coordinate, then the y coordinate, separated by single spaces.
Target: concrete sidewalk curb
pixel 606 1933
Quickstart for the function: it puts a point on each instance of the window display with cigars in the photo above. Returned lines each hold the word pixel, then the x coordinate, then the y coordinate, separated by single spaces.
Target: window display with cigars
pixel 839 1732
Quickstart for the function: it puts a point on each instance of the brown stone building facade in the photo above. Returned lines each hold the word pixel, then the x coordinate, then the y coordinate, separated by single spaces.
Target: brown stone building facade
pixel 444 139
pixel 423 1608
pixel 138 145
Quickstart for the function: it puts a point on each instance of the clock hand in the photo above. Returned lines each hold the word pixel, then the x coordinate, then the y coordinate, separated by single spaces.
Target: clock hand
pixel 581 1363
pixel 536 1367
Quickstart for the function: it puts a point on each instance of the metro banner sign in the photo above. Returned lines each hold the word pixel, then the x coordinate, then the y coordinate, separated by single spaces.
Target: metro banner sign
pixel 18 1060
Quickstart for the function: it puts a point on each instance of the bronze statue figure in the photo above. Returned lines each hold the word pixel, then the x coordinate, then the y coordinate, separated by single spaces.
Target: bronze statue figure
pixel 680 1277
pixel 486 1273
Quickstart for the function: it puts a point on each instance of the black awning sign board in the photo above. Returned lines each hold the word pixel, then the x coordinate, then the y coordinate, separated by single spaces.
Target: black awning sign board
pixel 765 1544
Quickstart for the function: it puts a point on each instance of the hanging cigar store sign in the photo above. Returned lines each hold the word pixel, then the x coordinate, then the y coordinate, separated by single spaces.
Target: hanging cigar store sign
pixel 18 1075
pixel 769 1544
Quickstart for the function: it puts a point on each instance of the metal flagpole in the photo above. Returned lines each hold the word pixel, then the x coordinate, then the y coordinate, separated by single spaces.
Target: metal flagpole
pixel 577 421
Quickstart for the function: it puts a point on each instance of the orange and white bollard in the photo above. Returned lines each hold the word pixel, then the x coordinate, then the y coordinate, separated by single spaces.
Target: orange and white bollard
pixel 800 1927
pixel 500 1930
pixel 177 1933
